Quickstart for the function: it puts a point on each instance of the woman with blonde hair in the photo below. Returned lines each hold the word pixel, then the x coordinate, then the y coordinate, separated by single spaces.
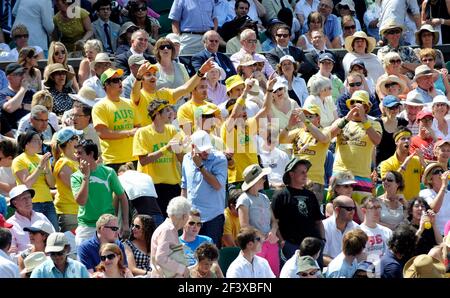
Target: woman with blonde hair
pixel 171 74
pixel 391 64
pixel 111 265
pixel 57 53
pixel 91 48
pixel 28 59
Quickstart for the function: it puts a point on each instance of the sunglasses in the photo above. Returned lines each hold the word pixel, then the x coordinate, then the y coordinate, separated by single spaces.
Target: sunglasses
pixel 388 180
pixel 357 84
pixel 114 229
pixel 283 35
pixel 305 274
pixel 60 53
pixel 349 209
pixel 425 60
pixel 137 227
pixel 374 207
pixel 310 116
pixel 115 80
pixel 109 257
pixel 213 40
pixel 57 254
pixel 165 46
pixel 352 27
pixel 397 61
pixel 353 102
pixel 192 223
pixel 346 186
pixel 257 239
pixel 438 172
pixel 389 85
pixel 142 8
pixel 21 36
pixel 393 31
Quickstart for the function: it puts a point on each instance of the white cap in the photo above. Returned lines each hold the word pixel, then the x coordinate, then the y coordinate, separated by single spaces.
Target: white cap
pixel 40 225
pixel 201 140
pixel 281 82
pixel 287 57
pixel 441 99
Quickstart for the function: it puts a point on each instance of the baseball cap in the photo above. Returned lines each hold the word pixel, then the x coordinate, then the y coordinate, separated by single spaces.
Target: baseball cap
pixel 287 57
pixel 390 100
pixel 440 143
pixel 424 113
pixel 14 68
pixel 358 62
pixel 66 134
pixel 107 74
pixel 40 226
pixel 305 263
pixel 201 140
pixel 56 242
pixel 312 109
pixel 136 60
pixel 326 56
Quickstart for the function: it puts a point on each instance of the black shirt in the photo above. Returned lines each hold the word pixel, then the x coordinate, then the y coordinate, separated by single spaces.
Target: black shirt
pixel 297 211
pixel 387 146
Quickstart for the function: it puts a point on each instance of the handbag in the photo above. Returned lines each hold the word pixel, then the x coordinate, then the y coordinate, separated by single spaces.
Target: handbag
pixel 178 256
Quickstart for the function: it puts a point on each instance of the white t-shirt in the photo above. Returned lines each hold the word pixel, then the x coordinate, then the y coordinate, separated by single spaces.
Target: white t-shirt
pixel 277 161
pixel 241 268
pixel 333 236
pixel 378 238
pixel 444 213
pixel 7 176
pixel 137 184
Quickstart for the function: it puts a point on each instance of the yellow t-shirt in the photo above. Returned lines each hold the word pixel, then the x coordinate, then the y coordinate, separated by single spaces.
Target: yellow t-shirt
pixel 142 117
pixel 313 151
pixel 354 149
pixel 164 169
pixel 31 163
pixel 411 175
pixel 243 145
pixel 186 112
pixel 231 225
pixel 64 201
pixel 116 116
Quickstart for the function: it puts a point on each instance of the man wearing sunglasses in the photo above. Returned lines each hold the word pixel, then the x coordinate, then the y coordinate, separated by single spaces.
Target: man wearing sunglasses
pixel 191 238
pixel 409 164
pixel 398 11
pixel 107 231
pixel 59 265
pixel 337 225
pixel 356 81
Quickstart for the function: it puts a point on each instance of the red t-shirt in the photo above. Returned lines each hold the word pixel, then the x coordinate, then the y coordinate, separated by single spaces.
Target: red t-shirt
pixel 425 145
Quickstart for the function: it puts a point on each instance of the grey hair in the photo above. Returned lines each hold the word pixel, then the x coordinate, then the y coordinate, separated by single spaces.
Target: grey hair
pixel 244 34
pixel 178 207
pixel 135 33
pixel 37 109
pixel 318 84
pixel 208 33
pixel 388 57
pixel 94 44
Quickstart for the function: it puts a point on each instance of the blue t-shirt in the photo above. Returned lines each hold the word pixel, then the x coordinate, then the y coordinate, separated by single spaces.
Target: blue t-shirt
pixel 3 206
pixel 190 247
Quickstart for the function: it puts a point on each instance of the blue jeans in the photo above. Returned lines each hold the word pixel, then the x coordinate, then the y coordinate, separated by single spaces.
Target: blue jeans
pixel 48 209
pixel 214 229
pixel 158 219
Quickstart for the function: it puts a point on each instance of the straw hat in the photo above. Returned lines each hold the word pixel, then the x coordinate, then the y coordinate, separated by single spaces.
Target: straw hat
pixel 371 42
pixel 85 95
pixel 421 71
pixel 424 266
pixel 99 58
pixel 429 28
pixel 391 79
pixel 246 60
pixel 428 170
pixel 52 68
pixel 33 260
pixel 390 24
pixel 252 174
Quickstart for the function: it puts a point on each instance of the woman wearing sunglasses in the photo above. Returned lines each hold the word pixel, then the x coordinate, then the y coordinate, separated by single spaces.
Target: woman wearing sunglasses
pixel 171 74
pixel 390 108
pixel 137 247
pixel 435 178
pixel 391 65
pixel 429 57
pixel 393 205
pixel 111 265
pixel 420 215
pixel 28 59
pixel 57 53
pixel 137 11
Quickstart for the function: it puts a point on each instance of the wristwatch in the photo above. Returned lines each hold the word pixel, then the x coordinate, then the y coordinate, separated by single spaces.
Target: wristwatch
pixel 201 166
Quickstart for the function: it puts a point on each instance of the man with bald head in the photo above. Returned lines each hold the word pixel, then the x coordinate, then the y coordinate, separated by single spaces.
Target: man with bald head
pixel 211 41
pixel 337 225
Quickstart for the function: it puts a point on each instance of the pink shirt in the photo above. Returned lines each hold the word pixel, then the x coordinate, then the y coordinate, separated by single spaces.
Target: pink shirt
pixel 217 95
pixel 236 57
pixel 20 238
pixel 165 236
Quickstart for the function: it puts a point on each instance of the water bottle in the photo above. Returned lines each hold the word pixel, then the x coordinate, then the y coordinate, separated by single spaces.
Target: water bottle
pixel 426 221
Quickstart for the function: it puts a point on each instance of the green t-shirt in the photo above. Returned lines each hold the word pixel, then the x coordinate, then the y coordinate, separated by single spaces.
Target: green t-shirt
pixel 103 182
